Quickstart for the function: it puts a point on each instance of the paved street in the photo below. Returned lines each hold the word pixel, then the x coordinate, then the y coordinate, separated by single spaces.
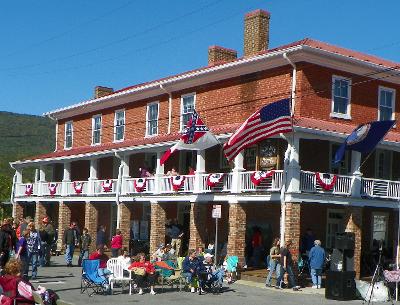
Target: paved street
pixel 66 282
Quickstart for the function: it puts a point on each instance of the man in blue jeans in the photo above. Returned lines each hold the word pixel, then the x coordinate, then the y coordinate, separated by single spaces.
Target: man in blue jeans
pixel 286 263
pixel 317 260
pixel 70 240
pixel 190 266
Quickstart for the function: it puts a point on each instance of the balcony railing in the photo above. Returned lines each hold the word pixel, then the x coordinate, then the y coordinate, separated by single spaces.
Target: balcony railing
pixel 380 188
pixel 104 187
pixel 224 185
pixel 148 186
pixel 272 183
pixel 187 184
pixel 309 184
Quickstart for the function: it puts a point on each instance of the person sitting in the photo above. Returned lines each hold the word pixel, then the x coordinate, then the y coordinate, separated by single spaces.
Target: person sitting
pixel 210 247
pixel 100 255
pixel 158 255
pixel 144 172
pixel 189 268
pixel 191 171
pixel 200 253
pixel 143 272
pixel 125 258
pixel 173 172
pixel 208 273
pixel 169 253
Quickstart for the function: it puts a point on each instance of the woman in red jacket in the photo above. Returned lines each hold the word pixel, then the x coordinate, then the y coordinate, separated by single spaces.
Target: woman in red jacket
pixel 144 273
pixel 116 244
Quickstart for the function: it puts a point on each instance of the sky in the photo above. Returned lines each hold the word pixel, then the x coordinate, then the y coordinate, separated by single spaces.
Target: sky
pixel 53 53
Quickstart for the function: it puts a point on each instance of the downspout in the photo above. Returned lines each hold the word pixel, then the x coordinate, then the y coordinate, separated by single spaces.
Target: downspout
pixel 287 155
pixel 118 189
pixel 169 107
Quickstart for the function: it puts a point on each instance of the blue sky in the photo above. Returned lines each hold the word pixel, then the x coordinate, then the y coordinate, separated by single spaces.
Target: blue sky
pixel 53 53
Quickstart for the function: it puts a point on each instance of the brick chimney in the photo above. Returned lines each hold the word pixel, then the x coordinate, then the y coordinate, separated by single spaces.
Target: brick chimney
pixel 256 32
pixel 217 55
pixel 100 91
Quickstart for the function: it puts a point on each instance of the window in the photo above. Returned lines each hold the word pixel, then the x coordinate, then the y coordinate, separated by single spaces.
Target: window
pixel 341 97
pixel 334 224
pixel 69 133
pixel 383 164
pixel 96 130
pixel 187 107
pixel 379 227
pixel 343 168
pixel 386 104
pixel 119 125
pixel 152 119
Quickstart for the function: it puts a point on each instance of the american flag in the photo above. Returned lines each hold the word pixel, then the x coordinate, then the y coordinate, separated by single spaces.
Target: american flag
pixel 196 136
pixel 268 121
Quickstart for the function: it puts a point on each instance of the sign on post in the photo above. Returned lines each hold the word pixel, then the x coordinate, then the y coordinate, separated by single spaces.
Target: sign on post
pixel 216 211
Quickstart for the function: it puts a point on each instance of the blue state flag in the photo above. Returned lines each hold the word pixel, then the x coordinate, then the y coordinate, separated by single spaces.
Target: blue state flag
pixel 364 138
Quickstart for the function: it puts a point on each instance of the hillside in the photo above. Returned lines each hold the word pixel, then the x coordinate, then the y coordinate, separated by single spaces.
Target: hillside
pixel 22 136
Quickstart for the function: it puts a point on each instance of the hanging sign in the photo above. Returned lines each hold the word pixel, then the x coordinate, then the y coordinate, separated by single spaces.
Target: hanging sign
pixel 216 211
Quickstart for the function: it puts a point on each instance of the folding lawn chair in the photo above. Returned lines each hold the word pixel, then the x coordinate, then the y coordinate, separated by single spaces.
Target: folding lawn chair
pixel 231 265
pixel 169 275
pixel 91 281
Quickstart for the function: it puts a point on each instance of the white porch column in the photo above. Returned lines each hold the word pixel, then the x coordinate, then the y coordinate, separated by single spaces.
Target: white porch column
pixel 200 170
pixel 66 178
pixel 236 177
pixel 42 173
pixel 159 173
pixel 125 172
pixel 92 175
pixel 293 168
pixel 18 175
pixel 355 169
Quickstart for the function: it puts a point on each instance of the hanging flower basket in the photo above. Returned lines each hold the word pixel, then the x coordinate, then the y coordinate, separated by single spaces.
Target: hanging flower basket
pixel 326 181
pixel 28 189
pixel 214 179
pixel 53 188
pixel 258 177
pixel 139 184
pixel 107 185
pixel 78 187
pixel 177 182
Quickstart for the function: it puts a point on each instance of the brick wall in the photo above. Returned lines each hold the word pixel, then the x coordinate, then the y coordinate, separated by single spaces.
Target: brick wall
pixel 198 213
pixel 237 231
pixel 125 222
pixel 91 222
pixel 354 223
pixel 157 225
pixel 40 213
pixel 78 214
pixel 18 210
pixel 64 219
pixel 292 228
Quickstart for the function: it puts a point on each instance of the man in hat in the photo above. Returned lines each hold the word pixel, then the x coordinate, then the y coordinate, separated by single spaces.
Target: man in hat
pixel 208 273
pixel 48 243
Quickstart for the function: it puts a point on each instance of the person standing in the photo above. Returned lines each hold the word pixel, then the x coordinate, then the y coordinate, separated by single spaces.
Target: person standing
pixel 49 228
pixel 274 266
pixel 22 253
pixel 101 236
pixel 176 238
pixel 286 263
pixel 256 242
pixel 34 248
pixel 307 242
pixel 317 260
pixel 43 245
pixel 70 240
pixel 85 242
pixel 5 242
pixel 116 244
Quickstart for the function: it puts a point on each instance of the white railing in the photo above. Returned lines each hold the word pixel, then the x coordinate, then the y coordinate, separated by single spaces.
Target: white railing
pixel 76 188
pixel 272 183
pixel 104 187
pixel 308 183
pixel 187 187
pixel 148 188
pixel 224 186
pixel 21 189
pixel 50 188
pixel 380 188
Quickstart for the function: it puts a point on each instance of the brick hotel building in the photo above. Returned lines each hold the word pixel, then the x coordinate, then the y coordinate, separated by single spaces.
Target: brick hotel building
pixel 102 143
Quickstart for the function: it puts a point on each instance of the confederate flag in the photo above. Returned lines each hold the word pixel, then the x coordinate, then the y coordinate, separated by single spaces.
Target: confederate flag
pixel 196 136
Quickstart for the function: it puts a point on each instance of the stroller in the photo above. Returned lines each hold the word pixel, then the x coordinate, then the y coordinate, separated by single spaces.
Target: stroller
pixel 303 264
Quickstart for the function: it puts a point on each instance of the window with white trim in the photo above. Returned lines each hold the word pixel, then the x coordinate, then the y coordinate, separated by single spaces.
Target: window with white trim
pixel 69 135
pixel 379 228
pixel 187 107
pixel 386 104
pixel 96 129
pixel 119 125
pixel 383 164
pixel 152 119
pixel 341 93
pixel 334 225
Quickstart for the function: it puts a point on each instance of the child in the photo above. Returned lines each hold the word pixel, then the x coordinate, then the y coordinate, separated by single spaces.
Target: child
pixel 85 242
pixel 116 244
pixel 22 253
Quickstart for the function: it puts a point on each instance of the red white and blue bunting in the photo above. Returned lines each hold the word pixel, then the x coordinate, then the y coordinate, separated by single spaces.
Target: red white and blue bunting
pixel 53 188
pixel 78 187
pixel 177 182
pixel 258 177
pixel 326 181
pixel 28 189
pixel 139 184
pixel 214 179
pixel 107 185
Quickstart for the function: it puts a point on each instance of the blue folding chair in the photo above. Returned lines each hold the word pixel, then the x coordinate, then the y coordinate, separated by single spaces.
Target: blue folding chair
pixel 91 281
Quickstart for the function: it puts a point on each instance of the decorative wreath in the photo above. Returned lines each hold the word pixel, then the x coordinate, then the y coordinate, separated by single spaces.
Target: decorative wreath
pixel 177 182
pixel 258 177
pixel 28 189
pixel 78 187
pixel 214 179
pixel 107 185
pixel 139 184
pixel 53 188
pixel 330 182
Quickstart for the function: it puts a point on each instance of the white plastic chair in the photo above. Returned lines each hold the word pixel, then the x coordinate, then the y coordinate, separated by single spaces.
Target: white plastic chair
pixel 117 268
